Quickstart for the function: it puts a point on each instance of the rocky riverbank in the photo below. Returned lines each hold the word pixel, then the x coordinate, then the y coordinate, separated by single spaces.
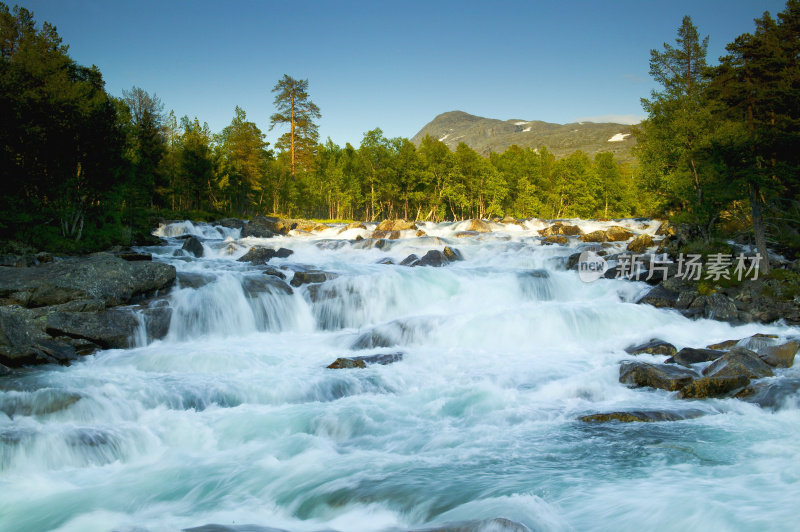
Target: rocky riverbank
pixel 59 310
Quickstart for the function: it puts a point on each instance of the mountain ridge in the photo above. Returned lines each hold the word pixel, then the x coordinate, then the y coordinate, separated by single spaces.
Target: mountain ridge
pixel 487 135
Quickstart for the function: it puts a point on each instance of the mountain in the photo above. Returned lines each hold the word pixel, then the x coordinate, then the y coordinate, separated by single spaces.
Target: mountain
pixel 486 135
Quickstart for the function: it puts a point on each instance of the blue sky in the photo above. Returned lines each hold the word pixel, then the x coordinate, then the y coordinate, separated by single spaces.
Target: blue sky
pixel 393 65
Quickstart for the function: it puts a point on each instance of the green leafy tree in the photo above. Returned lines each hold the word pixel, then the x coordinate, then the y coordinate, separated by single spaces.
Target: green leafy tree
pixel 245 157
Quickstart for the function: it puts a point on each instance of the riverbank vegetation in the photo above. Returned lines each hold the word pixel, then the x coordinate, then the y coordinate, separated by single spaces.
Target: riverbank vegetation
pixel 83 169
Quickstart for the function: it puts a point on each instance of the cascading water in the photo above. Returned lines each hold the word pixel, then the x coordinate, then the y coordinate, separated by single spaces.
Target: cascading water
pixel 233 417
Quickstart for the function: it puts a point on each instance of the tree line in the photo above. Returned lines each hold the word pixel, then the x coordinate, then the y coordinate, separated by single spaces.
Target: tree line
pixel 719 148
pixel 85 169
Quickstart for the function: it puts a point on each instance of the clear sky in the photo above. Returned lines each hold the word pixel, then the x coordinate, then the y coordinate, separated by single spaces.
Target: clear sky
pixel 389 64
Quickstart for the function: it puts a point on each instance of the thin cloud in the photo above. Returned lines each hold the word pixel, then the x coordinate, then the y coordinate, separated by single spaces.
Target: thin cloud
pixel 617 119
pixel 634 78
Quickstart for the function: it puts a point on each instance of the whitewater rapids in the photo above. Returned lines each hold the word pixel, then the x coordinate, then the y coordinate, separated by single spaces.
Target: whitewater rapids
pixel 233 418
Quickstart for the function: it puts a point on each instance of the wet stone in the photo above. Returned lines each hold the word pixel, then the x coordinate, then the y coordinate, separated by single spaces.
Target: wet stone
pixel 653 347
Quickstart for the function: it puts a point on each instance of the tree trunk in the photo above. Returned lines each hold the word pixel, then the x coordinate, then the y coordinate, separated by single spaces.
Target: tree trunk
pixel 758 228
pixel 292 136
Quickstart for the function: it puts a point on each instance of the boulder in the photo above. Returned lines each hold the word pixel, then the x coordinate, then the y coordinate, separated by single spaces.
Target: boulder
pixel 193 246
pixel 715 307
pixel 254 286
pixel 231 223
pixel 560 229
pixel 411 260
pixel 618 234
pixel 688 356
pixel 653 347
pixel 660 297
pixel 511 220
pixel 723 346
pixel 395 225
pixel 713 386
pixel 555 239
pixel 594 236
pixel 389 235
pixel 664 377
pixel 100 276
pixel 110 329
pixel 780 356
pixel 382 359
pixel 256 231
pixel 133 256
pixel 640 243
pixel 643 416
pixel 311 276
pixel 452 254
pixel 354 225
pixel 738 362
pixel 421 233
pixel 478 226
pixel 274 272
pixel 433 257
pixel 194 280
pixel 259 255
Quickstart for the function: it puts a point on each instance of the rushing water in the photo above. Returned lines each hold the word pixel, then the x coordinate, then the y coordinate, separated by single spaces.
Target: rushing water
pixel 233 418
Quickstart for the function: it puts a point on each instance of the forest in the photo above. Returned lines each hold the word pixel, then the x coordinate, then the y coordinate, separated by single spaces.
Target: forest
pixel 83 169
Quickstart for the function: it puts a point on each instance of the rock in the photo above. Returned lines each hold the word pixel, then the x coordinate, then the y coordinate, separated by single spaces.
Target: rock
pixel 716 307
pixel 231 223
pixel 433 257
pixel 618 234
pixel 354 225
pixel 421 233
pixel 411 260
pixel 738 362
pixel 274 273
pixel 724 346
pixel 361 361
pixel 388 261
pixel 259 255
pixel 689 355
pixel 466 234
pixel 256 231
pixel 555 239
pixel 389 235
pixel 483 525
pixel 640 243
pixel 395 225
pixel 4 371
pixel 194 246
pixel 594 236
pixel 780 356
pixel 660 376
pixel 254 286
pixel 772 394
pixel 645 416
pixel 560 229
pixel 100 276
pixel 478 226
pixel 110 329
pixel 511 220
pixel 156 321
pixel 452 254
pixel 311 276
pixel 347 363
pixel 132 256
pixel 653 347
pixel 271 224
pixel 660 297
pixel 194 280
pixel 11 260
pixel 713 386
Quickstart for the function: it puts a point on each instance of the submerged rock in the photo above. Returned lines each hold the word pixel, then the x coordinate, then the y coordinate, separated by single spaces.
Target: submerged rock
pixel 688 356
pixel 653 347
pixel 664 377
pixel 555 239
pixel 452 254
pixel 660 297
pixel 231 223
pixel 311 276
pixel 499 524
pixel 382 359
pixel 433 258
pixel 772 394
pixel 644 416
pixel 193 246
pixel 259 255
pixel 254 286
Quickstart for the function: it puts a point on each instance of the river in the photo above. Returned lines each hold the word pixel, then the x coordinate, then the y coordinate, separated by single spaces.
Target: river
pixel 234 418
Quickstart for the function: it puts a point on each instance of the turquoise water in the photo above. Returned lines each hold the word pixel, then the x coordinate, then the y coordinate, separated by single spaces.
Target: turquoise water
pixel 234 418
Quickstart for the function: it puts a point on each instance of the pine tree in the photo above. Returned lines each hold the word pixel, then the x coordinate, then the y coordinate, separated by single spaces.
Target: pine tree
pixel 294 108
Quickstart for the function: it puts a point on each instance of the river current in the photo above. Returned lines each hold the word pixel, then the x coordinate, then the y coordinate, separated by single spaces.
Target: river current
pixel 234 418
